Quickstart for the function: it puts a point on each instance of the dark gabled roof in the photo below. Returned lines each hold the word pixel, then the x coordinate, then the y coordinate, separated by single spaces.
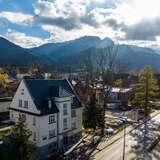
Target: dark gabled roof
pixel 44 90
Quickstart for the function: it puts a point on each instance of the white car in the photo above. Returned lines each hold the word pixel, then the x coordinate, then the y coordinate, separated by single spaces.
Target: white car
pixel 109 130
pixel 119 121
pixel 124 119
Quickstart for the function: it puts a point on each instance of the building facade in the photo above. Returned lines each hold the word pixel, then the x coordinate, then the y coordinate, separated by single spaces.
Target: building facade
pixel 51 110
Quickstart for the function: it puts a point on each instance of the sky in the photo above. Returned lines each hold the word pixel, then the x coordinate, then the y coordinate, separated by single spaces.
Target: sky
pixel 31 23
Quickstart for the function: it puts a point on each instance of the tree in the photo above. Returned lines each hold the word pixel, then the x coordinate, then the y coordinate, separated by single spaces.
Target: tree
pixel 3 80
pixel 146 92
pixel 19 147
pixel 93 115
pixel 89 114
pixel 106 63
pixel 118 83
pixel 100 63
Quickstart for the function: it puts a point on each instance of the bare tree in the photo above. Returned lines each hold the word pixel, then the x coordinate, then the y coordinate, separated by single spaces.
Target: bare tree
pixel 106 60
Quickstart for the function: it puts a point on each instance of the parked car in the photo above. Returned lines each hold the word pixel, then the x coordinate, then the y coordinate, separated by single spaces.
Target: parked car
pixel 119 122
pixel 109 130
pixel 124 119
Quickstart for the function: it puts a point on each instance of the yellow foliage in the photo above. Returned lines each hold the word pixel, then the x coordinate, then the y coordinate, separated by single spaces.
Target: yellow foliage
pixel 3 80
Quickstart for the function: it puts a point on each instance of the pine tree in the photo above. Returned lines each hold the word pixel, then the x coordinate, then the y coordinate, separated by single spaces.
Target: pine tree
pixel 18 145
pixel 147 89
pixel 145 93
pixel 90 112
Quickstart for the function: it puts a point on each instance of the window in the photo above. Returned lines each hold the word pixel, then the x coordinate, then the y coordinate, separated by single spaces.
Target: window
pixel 20 103
pixel 25 104
pixel 65 109
pixel 65 123
pixel 51 119
pixel 34 121
pixel 73 125
pixel 52 133
pixel 73 113
pixel 34 136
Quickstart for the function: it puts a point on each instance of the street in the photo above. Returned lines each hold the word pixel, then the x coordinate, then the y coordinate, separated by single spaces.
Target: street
pixel 134 144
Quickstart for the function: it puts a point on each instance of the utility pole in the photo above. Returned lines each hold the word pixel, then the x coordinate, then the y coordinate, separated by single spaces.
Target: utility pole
pixel 145 117
pixel 124 141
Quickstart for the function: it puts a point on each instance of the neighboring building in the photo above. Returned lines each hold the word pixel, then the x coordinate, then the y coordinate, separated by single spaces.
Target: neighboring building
pixel 20 76
pixel 120 96
pixel 51 110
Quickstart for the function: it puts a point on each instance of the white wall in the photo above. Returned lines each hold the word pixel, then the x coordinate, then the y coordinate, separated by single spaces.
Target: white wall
pixel 78 119
pixel 60 102
pixel 25 96
pixel 41 127
pixel 44 128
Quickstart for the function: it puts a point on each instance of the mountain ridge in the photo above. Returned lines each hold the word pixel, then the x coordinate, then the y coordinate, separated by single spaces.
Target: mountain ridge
pixel 71 53
pixel 16 55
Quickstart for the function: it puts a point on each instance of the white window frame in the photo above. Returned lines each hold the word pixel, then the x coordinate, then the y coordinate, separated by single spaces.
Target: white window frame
pixel 52 119
pixel 73 125
pixel 65 109
pixel 52 133
pixel 26 104
pixel 34 121
pixel 20 103
pixel 65 123
pixel 73 113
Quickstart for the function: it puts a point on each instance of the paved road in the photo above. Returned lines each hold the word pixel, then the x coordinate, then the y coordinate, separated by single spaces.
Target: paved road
pixel 134 145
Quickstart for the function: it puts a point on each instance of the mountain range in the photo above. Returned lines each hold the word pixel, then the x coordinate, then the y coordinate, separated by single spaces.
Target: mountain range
pixel 16 55
pixel 72 53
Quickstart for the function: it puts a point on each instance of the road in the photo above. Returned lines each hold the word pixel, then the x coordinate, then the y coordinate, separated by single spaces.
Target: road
pixel 134 144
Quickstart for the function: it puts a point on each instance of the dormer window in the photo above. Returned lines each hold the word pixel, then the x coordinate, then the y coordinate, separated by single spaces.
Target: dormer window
pixel 49 103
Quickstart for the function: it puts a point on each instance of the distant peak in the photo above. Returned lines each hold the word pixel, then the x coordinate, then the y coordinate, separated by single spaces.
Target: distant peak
pixel 89 38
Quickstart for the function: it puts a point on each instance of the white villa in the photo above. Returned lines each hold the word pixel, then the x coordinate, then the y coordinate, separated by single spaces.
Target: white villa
pixel 52 111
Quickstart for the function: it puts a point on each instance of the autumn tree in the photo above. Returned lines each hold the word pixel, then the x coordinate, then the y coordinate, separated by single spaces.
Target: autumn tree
pixel 118 83
pixel 3 80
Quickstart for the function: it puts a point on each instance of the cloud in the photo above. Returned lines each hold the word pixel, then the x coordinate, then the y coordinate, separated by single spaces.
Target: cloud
pixel 24 40
pixel 58 34
pixel 65 23
pixel 71 14
pixel 147 29
pixel 17 18
pixel 70 19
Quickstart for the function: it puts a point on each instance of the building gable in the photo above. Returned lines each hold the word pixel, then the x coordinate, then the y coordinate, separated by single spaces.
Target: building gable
pixel 23 101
